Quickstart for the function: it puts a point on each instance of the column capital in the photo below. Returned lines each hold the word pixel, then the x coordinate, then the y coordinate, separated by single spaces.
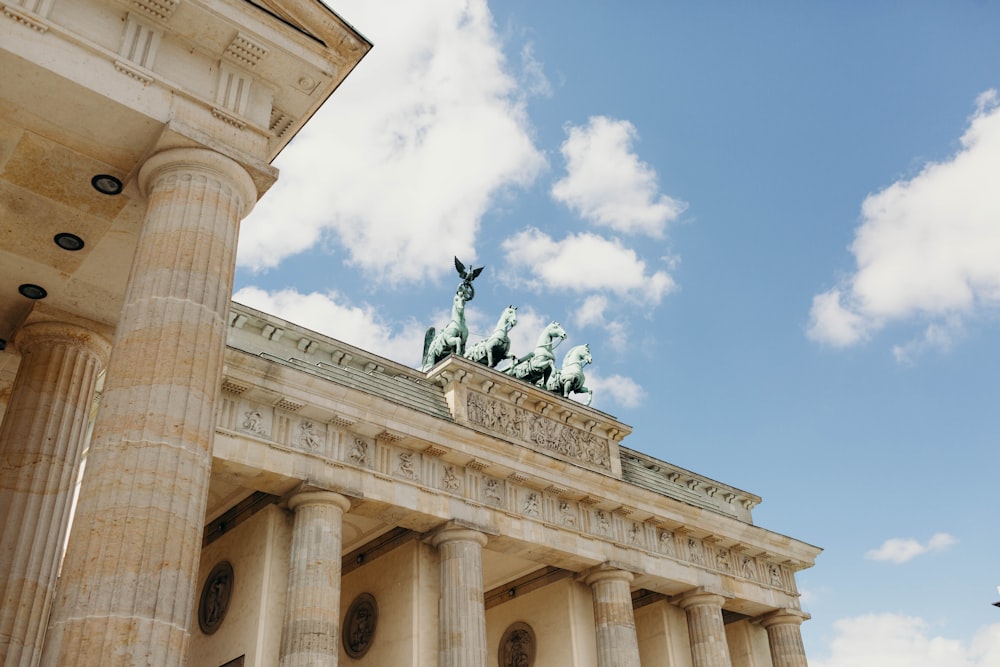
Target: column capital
pixel 454 533
pixel 318 497
pixel 606 572
pixel 50 331
pixel 783 617
pixel 199 160
pixel 699 597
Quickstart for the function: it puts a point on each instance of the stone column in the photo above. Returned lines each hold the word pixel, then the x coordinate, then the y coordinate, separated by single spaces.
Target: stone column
pixel 461 613
pixel 41 443
pixel 705 629
pixel 311 632
pixel 128 582
pixel 617 644
pixel 784 636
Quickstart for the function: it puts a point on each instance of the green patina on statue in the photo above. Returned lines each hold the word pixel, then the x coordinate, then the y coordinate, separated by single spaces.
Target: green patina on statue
pixel 570 379
pixel 451 339
pixel 536 367
pixel 493 350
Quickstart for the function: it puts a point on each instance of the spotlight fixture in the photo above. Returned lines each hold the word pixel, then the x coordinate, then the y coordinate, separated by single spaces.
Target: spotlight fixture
pixel 32 291
pixel 68 241
pixel 106 184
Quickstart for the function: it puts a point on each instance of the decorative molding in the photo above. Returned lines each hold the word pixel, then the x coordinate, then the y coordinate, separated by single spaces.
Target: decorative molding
pixel 142 76
pixel 139 44
pixel 232 387
pixel 290 406
pixel 232 96
pixel 245 50
pixel 280 122
pixel 435 451
pixel 160 10
pixel 30 13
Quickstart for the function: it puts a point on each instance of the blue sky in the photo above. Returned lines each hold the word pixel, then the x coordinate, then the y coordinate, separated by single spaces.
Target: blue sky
pixel 776 224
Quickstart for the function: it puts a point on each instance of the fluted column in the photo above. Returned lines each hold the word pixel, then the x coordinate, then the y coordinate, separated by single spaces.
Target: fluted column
pixel 461 613
pixel 784 636
pixel 617 644
pixel 705 629
pixel 311 632
pixel 128 582
pixel 41 442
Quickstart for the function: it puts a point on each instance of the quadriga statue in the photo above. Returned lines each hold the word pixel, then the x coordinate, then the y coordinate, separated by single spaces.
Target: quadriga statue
pixel 451 339
pixel 496 347
pixel 537 366
pixel 570 379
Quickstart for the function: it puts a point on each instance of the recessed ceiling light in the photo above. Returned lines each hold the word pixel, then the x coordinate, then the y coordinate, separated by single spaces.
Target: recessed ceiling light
pixel 68 241
pixel 32 291
pixel 106 184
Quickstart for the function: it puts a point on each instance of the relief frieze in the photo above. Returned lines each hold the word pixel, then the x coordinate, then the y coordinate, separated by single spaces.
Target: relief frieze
pixel 544 433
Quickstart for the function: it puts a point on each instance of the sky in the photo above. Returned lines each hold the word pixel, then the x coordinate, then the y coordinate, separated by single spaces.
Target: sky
pixel 776 224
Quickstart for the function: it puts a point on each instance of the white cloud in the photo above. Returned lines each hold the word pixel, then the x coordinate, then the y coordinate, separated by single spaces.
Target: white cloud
pixel 926 248
pixel 892 640
pixel 898 550
pixel 330 315
pixel 584 263
pixel 618 389
pixel 591 311
pixel 608 184
pixel 533 78
pixel 410 151
pixel 937 336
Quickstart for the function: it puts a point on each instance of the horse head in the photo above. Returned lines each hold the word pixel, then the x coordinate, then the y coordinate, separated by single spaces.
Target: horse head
pixel 508 319
pixel 552 333
pixel 579 355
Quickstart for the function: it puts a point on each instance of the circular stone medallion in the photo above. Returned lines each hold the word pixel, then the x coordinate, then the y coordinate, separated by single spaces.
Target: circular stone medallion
pixel 215 597
pixel 359 625
pixel 517 646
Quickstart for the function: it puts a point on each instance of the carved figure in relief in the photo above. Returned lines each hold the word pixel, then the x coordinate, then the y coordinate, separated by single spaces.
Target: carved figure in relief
pixel 722 560
pixel 570 378
pixel 536 367
pixel 450 481
pixel 359 452
pixel 406 465
pixel 492 491
pixel 566 515
pixel 517 646
pixel 254 422
pixel 495 416
pixel 308 436
pixel 667 542
pixel 749 568
pixel 542 432
pixel 634 533
pixel 603 525
pixel 694 552
pixel 774 573
pixel 492 350
pixel 531 505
